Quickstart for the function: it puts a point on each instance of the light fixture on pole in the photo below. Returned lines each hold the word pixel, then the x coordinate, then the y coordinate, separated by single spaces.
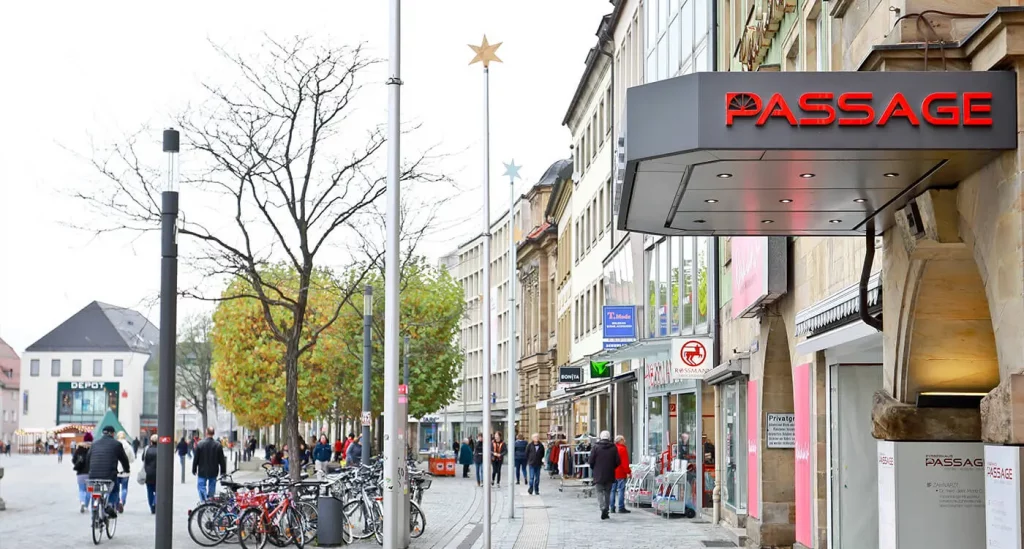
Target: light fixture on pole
pixel 396 524
pixel 485 54
pixel 512 171
pixel 168 341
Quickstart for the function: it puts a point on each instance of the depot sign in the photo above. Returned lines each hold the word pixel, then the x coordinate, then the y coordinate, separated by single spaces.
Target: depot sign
pixel 940 108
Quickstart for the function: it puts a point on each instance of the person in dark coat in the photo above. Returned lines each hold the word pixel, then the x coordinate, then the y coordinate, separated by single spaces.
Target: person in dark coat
pixel 208 464
pixel 355 452
pixel 104 456
pixel 498 452
pixel 519 455
pixel 534 463
pixel 149 463
pixel 322 453
pixel 604 459
pixel 478 459
pixel 80 462
pixel 465 457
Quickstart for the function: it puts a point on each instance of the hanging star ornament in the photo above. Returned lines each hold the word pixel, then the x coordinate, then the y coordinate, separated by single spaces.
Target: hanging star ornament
pixel 511 170
pixel 485 53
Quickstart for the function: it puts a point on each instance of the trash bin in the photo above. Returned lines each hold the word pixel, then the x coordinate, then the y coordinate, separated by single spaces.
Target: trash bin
pixel 330 522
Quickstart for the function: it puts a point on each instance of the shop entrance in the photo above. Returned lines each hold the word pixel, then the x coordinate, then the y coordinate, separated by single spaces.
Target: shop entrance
pixel 854 477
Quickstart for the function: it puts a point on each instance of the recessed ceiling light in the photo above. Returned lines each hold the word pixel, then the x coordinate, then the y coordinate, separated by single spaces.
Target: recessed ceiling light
pixel 834 221
pixel 860 200
pixel 699 221
pixel 786 200
pixel 807 175
pixel 767 221
pixel 891 174
pixel 724 175
pixel 712 201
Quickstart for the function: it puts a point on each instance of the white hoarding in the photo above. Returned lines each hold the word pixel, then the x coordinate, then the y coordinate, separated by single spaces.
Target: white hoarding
pixel 1003 514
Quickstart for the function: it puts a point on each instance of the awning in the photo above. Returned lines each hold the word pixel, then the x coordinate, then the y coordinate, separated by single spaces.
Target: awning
pixel 625 377
pixel 638 349
pixel 729 370
pixel 804 153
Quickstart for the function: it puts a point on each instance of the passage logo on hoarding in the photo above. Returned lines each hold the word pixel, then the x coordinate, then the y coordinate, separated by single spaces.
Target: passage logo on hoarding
pixel 952 461
pixel 885 459
pixel 857 109
pixel 997 472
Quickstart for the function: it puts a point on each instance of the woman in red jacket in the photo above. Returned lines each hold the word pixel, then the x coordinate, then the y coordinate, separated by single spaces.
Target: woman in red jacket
pixel 621 474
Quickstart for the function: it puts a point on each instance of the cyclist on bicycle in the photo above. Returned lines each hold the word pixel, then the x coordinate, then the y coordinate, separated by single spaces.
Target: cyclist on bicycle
pixel 103 458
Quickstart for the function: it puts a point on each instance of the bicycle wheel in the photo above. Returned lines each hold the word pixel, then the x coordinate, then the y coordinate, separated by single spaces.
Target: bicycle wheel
pixel 360 519
pixel 417 520
pixel 310 516
pixel 209 524
pixel 97 522
pixel 111 526
pixel 252 532
pixel 378 522
pixel 292 527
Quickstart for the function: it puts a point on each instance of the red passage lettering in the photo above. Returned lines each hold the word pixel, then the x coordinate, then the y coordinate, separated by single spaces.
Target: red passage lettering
pixel 822 103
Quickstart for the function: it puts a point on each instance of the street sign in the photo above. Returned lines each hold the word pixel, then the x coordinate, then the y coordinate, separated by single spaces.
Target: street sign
pixel 366 419
pixel 403 389
pixel 494 398
pixel 165 440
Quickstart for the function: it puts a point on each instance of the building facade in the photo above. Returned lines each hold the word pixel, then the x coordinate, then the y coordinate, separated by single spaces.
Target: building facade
pixel 10 378
pixel 93 362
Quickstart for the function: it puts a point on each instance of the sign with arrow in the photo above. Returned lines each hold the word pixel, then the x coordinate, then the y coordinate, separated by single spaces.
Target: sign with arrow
pixel 600 369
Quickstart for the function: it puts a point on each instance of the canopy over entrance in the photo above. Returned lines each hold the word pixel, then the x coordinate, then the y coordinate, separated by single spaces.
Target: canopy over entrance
pixel 804 153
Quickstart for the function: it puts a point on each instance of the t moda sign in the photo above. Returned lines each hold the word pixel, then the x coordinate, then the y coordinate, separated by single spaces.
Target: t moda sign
pixel 862 109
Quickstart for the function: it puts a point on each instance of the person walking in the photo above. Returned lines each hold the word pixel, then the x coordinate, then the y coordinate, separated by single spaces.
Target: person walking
pixel 622 472
pixel 498 452
pixel 478 459
pixel 465 457
pixel 103 458
pixel 135 447
pixel 123 476
pixel 80 462
pixel 519 454
pixel 355 452
pixel 339 447
pixel 322 453
pixel 604 459
pixel 182 452
pixel 534 463
pixel 208 464
pixel 149 465
pixel 60 453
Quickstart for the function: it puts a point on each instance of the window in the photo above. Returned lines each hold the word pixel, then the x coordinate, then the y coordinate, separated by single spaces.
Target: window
pixel 602 128
pixel 34 367
pixel 24 403
pixel 673 44
pixel 593 219
pixel 76 367
pixel 55 367
pixel 118 368
pixel 601 212
pixel 687 278
pixel 686 30
pixel 701 279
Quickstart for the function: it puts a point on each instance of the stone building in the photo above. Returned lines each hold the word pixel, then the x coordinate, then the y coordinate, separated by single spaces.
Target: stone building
pixel 537 255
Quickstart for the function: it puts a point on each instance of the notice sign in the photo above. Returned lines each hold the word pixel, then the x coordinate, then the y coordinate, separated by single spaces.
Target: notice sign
pixel 365 416
pixel 1003 511
pixel 780 430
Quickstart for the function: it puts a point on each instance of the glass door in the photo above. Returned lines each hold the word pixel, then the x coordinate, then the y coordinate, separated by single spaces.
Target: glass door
pixel 734 454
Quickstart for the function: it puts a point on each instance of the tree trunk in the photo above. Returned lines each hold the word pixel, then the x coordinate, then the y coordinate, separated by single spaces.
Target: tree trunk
pixel 291 407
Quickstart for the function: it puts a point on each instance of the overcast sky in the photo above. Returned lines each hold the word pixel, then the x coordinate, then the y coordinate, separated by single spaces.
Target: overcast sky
pixel 79 74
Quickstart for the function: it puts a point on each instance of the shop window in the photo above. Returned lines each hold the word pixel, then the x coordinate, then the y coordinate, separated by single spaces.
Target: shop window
pixel 734 468
pixel 650 270
pixel 655 425
pixel 703 253
pixel 687 282
pixel 663 287
pixel 673 278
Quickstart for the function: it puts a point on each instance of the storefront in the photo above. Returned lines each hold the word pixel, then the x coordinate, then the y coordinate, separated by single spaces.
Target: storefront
pixel 730 381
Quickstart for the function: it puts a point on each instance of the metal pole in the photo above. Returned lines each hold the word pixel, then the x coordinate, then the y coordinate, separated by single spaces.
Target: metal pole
pixel 168 339
pixel 394 462
pixel 405 377
pixel 487 313
pixel 406 373
pixel 511 424
pixel 367 359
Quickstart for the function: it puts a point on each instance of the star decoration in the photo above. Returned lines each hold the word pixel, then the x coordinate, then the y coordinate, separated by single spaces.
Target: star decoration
pixel 511 170
pixel 485 53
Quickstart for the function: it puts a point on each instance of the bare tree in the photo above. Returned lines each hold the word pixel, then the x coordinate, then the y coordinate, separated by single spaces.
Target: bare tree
pixel 265 153
pixel 195 360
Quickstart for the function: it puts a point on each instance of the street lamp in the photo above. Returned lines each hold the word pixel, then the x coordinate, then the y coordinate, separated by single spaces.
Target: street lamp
pixel 168 339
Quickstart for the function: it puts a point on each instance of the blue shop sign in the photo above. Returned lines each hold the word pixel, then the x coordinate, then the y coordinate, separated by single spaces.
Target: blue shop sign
pixel 619 322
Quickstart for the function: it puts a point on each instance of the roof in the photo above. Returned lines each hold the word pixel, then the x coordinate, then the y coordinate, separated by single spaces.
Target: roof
pixel 100 327
pixel 563 174
pixel 605 31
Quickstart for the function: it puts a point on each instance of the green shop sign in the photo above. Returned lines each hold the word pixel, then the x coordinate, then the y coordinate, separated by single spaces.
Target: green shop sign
pixel 81 400
pixel 600 369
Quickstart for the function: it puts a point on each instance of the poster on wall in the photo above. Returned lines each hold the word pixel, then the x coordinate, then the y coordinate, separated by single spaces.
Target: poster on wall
pixel 691 357
pixel 1003 511
pixel 780 430
pixel 802 459
pixel 753 443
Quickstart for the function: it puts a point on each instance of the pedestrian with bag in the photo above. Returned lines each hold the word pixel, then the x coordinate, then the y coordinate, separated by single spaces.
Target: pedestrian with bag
pixel 465 457
pixel 147 475
pixel 622 472
pixel 80 462
pixel 498 452
pixel 519 454
pixel 534 463
pixel 123 476
pixel 604 459
pixel 208 464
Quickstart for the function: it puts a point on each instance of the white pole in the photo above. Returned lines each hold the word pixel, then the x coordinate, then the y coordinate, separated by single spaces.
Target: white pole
pixel 510 427
pixel 394 458
pixel 487 313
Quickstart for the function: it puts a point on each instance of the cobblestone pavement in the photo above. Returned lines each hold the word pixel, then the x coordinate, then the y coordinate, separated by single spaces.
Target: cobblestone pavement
pixel 42 509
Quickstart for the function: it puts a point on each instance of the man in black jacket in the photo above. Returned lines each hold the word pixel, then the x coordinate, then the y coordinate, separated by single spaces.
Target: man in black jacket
pixel 208 464
pixel 604 458
pixel 535 461
pixel 103 458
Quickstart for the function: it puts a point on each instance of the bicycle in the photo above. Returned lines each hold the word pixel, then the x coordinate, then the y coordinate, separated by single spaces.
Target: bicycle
pixel 271 517
pixel 99 491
